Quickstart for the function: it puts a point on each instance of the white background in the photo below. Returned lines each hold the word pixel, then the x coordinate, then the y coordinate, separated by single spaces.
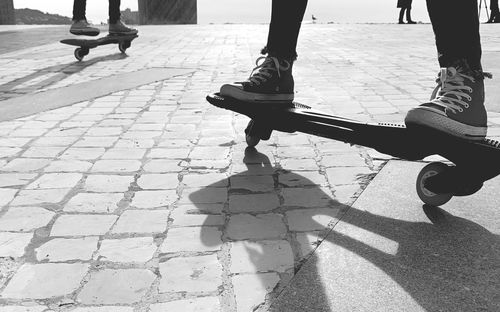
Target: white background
pixel 252 11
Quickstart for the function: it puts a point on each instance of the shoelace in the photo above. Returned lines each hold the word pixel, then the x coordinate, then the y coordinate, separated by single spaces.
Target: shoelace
pixel 452 90
pixel 265 69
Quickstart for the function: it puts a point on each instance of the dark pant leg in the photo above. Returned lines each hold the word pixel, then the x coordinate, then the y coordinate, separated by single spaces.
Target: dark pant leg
pixel 494 6
pixel 456 28
pixel 401 14
pixel 286 18
pixel 114 11
pixel 408 14
pixel 79 7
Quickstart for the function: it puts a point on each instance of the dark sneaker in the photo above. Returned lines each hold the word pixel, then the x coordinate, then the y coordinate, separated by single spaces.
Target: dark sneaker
pixel 83 28
pixel 456 106
pixel 119 28
pixel 270 81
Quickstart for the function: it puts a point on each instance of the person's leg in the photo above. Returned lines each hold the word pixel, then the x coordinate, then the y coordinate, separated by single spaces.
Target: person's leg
pixel 494 6
pixel 458 105
pixel 114 11
pixel 495 12
pixel 408 16
pixel 401 15
pixel 80 26
pixel 458 37
pixel 79 7
pixel 286 19
pixel 116 26
pixel 272 79
pixel 492 11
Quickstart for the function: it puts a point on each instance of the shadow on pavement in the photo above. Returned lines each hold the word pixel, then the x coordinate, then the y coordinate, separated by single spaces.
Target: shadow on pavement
pixel 448 264
pixel 48 76
pixel 451 264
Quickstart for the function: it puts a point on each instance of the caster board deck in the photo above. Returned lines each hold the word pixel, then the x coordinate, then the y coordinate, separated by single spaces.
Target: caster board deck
pixel 473 162
pixel 84 45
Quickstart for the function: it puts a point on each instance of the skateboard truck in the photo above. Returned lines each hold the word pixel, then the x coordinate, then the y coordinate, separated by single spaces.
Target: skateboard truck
pixel 473 161
pixel 255 132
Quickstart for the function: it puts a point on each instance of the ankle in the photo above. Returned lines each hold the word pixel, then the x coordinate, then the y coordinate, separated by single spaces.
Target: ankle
pixel 80 22
pixel 463 66
pixel 290 57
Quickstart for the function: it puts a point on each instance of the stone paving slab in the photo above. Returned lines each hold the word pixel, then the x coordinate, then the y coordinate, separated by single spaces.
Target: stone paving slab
pixel 41 281
pixel 149 183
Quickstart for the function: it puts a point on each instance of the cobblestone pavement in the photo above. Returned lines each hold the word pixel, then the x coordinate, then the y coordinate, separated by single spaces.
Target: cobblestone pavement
pixel 147 200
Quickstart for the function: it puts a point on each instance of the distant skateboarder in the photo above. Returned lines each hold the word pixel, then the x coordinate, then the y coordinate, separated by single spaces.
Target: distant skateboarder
pixel 80 25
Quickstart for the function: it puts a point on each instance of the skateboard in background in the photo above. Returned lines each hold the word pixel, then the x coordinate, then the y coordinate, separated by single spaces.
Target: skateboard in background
pixel 84 45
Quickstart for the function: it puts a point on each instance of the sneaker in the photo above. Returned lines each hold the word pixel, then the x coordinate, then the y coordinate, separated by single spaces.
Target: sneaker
pixel 83 28
pixel 456 106
pixel 119 28
pixel 270 81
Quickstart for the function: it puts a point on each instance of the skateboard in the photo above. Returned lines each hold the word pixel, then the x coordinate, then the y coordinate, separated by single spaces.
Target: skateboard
pixel 472 162
pixel 84 45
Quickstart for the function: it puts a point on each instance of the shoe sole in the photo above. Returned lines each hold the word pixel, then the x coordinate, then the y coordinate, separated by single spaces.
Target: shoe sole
pixel 84 33
pixel 254 97
pixel 426 118
pixel 114 33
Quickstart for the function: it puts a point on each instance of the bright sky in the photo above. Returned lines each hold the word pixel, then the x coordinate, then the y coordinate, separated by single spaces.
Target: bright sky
pixel 251 11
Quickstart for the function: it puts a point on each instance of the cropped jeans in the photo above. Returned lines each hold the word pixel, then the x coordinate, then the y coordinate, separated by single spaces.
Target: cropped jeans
pixel 79 9
pixel 455 24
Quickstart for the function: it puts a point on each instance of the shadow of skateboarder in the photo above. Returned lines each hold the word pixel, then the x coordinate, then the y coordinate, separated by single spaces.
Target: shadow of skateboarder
pixel 367 262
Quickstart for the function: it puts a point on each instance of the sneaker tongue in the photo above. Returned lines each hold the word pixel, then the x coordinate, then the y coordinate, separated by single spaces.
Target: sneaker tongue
pixel 451 75
pixel 449 72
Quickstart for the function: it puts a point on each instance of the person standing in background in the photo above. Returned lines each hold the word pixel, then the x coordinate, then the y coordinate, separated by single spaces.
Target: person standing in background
pixel 405 5
pixel 495 13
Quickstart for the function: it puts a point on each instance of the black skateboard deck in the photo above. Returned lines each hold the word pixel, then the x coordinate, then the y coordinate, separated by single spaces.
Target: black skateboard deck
pixel 84 45
pixel 473 161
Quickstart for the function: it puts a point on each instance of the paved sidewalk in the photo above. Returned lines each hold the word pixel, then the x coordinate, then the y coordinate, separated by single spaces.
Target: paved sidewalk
pixel 143 197
pixel 388 253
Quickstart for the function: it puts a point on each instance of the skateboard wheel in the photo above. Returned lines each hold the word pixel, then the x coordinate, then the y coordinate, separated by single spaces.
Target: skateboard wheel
pixel 252 141
pixel 123 46
pixel 250 136
pixel 428 197
pixel 80 53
